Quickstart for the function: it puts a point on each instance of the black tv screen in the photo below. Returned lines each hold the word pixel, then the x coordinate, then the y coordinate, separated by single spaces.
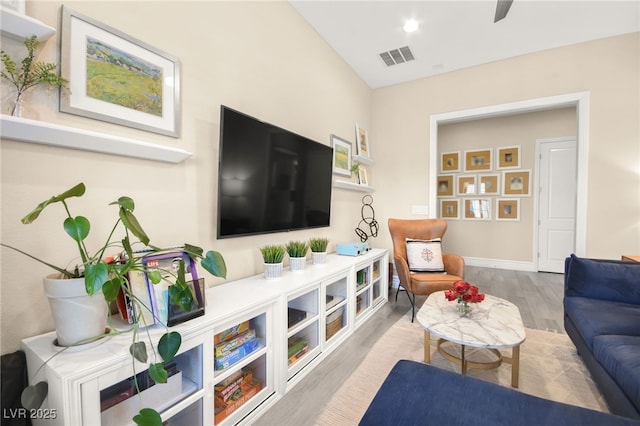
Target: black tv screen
pixel 270 179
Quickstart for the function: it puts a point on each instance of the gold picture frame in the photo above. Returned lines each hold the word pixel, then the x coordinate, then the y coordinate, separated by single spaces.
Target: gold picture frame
pixel 445 185
pixel 477 209
pixel 516 183
pixel 508 209
pixel 450 209
pixel 508 157
pixel 466 185
pixel 450 162
pixel 489 184
pixel 478 160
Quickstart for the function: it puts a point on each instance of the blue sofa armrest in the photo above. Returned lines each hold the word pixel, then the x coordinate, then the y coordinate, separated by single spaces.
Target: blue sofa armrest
pixel 612 280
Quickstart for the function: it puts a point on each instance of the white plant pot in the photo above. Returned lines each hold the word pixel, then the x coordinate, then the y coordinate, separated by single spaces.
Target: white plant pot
pixel 319 257
pixel 297 263
pixel 79 318
pixel 272 271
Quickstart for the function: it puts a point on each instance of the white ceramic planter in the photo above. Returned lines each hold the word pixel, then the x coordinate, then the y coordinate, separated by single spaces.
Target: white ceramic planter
pixel 297 263
pixel 319 257
pixel 272 271
pixel 79 318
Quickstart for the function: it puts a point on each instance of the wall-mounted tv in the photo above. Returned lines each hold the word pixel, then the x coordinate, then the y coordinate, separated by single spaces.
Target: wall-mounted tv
pixel 270 179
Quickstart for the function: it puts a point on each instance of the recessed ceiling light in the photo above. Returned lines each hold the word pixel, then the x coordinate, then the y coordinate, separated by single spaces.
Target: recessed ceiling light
pixel 410 26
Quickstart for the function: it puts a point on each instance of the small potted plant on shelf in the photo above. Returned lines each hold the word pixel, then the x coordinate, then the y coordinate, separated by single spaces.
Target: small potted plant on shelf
pixel 29 74
pixel 101 278
pixel 297 251
pixel 318 247
pixel 273 256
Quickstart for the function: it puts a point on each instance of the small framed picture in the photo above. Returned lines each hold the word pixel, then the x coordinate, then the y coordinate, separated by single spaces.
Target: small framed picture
pixel 477 209
pixel 516 183
pixel 362 176
pixel 445 186
pixel 508 209
pixel 489 184
pixel 508 157
pixel 450 209
pixel 466 185
pixel 450 162
pixel 479 160
pixel 341 156
pixel 362 142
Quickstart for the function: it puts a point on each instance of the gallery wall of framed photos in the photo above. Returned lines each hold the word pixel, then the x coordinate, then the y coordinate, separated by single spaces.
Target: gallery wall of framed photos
pixel 482 184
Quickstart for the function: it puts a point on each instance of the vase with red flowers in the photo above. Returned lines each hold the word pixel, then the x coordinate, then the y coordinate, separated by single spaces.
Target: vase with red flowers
pixel 464 293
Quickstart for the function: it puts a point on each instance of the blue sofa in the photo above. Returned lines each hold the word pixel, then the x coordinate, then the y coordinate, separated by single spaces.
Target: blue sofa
pixel 420 394
pixel 602 318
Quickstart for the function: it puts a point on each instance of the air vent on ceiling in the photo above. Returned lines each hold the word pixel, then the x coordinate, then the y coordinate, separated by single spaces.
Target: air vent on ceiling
pixel 397 56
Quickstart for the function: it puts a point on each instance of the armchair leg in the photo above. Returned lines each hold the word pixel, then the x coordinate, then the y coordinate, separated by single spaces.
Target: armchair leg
pixel 413 305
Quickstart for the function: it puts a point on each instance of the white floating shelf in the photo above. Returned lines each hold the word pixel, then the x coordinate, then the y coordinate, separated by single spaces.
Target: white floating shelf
pixel 352 186
pixel 20 26
pixel 40 132
pixel 362 160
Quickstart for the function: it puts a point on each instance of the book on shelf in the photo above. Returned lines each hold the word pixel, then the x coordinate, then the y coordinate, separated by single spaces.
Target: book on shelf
pixel 294 345
pixel 295 357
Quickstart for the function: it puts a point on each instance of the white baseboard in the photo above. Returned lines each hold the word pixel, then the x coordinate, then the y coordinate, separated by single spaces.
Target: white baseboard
pixel 500 264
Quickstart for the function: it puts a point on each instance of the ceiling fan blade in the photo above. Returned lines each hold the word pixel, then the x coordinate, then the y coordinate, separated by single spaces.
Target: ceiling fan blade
pixel 502 8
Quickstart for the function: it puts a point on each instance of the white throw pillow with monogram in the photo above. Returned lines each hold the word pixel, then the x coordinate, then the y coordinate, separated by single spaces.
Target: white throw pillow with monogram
pixel 425 255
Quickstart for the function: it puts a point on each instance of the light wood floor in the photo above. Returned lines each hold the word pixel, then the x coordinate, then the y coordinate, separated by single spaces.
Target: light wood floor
pixel 537 295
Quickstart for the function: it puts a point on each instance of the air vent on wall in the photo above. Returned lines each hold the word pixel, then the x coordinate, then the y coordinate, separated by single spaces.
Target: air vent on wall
pixel 397 56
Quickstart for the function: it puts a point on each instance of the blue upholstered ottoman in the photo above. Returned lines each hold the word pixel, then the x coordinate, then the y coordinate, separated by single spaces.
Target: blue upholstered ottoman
pixel 420 394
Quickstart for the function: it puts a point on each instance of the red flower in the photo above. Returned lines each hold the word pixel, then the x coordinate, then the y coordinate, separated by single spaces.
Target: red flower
pixel 462 291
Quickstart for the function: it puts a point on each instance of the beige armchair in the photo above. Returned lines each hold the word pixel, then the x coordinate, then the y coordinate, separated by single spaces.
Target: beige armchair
pixel 422 283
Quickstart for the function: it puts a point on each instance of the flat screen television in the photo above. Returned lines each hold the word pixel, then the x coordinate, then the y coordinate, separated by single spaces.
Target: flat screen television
pixel 270 179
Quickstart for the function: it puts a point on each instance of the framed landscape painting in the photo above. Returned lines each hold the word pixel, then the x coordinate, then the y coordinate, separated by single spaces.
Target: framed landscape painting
pixel 116 78
pixel 341 156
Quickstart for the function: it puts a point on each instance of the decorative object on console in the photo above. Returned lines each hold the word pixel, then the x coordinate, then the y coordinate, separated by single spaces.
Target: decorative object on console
pixel 297 251
pixel 368 218
pixel 110 276
pixel 142 89
pixel 318 246
pixel 29 74
pixel 464 293
pixel 272 255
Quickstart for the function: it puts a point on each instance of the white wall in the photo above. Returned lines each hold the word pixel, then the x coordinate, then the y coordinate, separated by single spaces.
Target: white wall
pixel 258 57
pixel 609 69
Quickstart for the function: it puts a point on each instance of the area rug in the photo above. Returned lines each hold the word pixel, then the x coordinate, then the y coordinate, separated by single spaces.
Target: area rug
pixel 549 368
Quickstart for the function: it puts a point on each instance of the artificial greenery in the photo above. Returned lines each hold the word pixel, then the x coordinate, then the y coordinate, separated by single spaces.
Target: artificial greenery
pixel 355 168
pixel 297 248
pixel 29 73
pixel 112 277
pixel 319 244
pixel 272 253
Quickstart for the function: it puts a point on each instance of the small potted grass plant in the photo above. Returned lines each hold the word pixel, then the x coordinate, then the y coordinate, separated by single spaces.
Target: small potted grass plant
pixel 318 249
pixel 273 256
pixel 297 251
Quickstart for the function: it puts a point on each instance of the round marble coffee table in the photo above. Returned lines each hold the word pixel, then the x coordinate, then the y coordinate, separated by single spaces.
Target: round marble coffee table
pixel 493 324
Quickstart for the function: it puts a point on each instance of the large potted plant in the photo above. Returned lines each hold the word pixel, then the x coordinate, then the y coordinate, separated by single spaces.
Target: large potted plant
pixel 297 251
pixel 102 277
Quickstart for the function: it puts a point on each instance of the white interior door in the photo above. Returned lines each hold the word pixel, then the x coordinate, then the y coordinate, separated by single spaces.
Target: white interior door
pixel 556 203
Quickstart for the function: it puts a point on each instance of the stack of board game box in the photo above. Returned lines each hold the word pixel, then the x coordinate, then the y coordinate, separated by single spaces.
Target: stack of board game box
pixel 297 347
pixel 231 393
pixel 233 344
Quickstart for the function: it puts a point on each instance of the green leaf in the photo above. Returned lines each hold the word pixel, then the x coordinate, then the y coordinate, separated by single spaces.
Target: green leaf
pixel 76 191
pixel 158 373
pixel 132 224
pixel 148 417
pixel 77 228
pixel 111 288
pixel 139 351
pixel 169 344
pixel 194 252
pixel 154 276
pixel 95 276
pixel 214 263
pixel 182 296
pixel 33 396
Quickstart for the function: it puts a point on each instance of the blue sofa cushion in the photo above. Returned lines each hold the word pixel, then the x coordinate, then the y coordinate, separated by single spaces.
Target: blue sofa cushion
pixel 603 279
pixel 596 317
pixel 620 356
pixel 420 394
